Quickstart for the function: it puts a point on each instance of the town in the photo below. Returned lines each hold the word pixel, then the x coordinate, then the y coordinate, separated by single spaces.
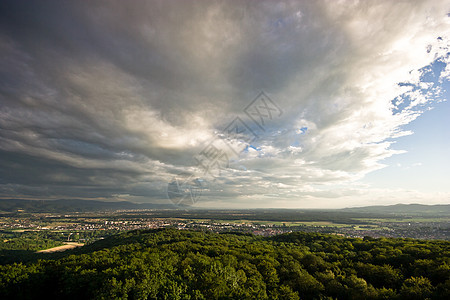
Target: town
pixel 90 227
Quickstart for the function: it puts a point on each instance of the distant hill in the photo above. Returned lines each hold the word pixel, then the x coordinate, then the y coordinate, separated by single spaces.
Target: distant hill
pixel 72 205
pixel 79 205
pixel 412 209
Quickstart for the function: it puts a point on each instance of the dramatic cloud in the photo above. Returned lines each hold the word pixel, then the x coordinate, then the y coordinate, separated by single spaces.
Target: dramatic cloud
pixel 112 100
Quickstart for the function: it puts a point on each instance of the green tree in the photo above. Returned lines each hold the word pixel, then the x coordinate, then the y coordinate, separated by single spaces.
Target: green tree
pixel 416 288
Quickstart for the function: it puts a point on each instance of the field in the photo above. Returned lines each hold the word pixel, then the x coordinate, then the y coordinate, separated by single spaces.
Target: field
pixel 65 247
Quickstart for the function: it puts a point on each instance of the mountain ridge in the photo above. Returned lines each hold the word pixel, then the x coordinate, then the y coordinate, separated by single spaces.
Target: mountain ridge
pixel 83 205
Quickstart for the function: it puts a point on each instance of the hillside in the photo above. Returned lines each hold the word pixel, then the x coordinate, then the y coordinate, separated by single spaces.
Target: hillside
pixel 412 209
pixel 79 205
pixel 71 205
pixel 177 264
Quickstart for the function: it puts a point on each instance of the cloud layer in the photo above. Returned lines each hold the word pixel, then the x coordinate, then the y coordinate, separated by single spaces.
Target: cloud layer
pixel 113 100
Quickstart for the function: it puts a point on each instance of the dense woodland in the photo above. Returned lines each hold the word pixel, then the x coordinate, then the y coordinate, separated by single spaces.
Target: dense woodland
pixel 176 264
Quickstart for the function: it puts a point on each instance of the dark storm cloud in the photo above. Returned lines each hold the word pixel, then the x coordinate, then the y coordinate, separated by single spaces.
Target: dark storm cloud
pixel 112 99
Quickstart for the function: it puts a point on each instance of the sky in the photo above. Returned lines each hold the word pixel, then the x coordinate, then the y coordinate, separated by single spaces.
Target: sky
pixel 226 104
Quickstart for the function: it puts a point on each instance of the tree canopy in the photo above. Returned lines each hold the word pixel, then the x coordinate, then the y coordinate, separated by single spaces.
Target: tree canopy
pixel 177 264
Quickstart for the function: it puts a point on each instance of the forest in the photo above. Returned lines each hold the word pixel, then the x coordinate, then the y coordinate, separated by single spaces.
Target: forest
pixel 183 264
